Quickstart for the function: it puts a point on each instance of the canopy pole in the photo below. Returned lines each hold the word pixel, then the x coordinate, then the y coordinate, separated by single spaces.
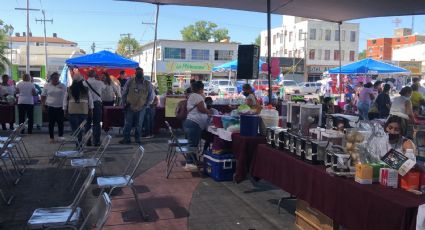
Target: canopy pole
pixel 269 50
pixel 154 46
pixel 340 62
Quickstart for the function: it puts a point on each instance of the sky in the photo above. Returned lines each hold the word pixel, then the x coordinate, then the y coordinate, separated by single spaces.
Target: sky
pixel 104 21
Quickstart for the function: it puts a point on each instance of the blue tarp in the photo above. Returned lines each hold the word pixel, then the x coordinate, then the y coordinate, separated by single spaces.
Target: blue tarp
pixel 232 66
pixel 103 58
pixel 368 66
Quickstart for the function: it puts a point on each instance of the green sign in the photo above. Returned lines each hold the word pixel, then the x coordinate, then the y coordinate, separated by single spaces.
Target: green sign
pixel 174 67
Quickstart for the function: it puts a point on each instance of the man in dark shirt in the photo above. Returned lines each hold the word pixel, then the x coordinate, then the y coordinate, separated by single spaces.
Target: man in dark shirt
pixel 122 79
pixel 383 102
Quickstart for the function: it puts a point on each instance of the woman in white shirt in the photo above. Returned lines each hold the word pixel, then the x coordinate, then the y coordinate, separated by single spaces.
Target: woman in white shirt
pixel 6 90
pixel 52 99
pixel 111 93
pixel 26 91
pixel 196 121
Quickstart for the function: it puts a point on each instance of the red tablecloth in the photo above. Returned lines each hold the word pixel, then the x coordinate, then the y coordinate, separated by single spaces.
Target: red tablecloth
pixel 243 149
pixel 348 203
pixel 7 114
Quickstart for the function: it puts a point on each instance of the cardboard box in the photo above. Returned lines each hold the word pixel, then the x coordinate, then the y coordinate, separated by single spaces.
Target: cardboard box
pixel 410 181
pixel 388 177
pixel 364 174
pixel 308 218
pixel 376 171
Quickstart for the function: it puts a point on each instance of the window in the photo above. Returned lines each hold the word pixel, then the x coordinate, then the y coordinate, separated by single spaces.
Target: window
pixel 265 41
pixel 342 55
pixel 327 55
pixel 336 55
pixel 290 54
pixel 174 53
pixel 320 34
pixel 223 55
pixel 274 39
pixel 285 51
pixel 311 54
pixel 327 35
pixel 374 41
pixel 281 38
pixel 336 35
pixel 398 39
pixel 319 54
pixel 300 33
pixel 343 35
pixel 200 54
pixel 158 54
pixel 352 36
pixel 406 39
pixel 290 36
pixel 312 34
pixel 280 52
pixel 352 53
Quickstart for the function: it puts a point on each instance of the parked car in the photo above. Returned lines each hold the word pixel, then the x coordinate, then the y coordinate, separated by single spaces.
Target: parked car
pixel 289 86
pixel 309 87
pixel 216 86
pixel 38 81
pixel 263 84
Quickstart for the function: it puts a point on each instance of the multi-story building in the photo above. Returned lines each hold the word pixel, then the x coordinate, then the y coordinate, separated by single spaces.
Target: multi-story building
pixel 58 50
pixel 411 57
pixel 185 59
pixel 316 41
pixel 382 48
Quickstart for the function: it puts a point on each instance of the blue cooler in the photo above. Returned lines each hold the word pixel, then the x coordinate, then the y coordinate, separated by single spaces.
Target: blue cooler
pixel 219 167
pixel 249 125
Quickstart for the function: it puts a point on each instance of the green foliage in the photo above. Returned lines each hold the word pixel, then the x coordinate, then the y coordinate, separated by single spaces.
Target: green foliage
pixel 4 29
pixel 362 55
pixel 257 40
pixel 204 31
pixel 127 46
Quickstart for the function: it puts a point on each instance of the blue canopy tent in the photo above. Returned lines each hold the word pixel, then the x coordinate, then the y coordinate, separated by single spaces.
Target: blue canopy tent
pixel 104 59
pixel 368 66
pixel 232 66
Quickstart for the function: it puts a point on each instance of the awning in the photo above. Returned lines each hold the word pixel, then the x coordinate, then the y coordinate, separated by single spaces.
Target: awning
pixel 103 59
pixel 368 66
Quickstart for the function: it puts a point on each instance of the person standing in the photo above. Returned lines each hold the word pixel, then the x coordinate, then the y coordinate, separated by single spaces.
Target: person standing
pixel 52 100
pixel 122 79
pixel 95 87
pixel 77 102
pixel 421 89
pixel 365 99
pixel 383 102
pixel 5 91
pixel 26 91
pixel 150 114
pixel 135 97
pixel 111 93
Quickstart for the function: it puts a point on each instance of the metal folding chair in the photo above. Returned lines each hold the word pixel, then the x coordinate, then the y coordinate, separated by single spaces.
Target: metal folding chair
pixel 63 155
pixel 100 212
pixel 61 217
pixel 73 139
pixel 171 142
pixel 18 141
pixel 125 179
pixel 11 144
pixel 93 162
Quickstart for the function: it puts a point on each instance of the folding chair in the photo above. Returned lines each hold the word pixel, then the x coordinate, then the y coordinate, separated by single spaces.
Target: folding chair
pixel 7 199
pixel 171 143
pixel 73 139
pixel 18 140
pixel 125 179
pixel 63 155
pixel 93 162
pixel 61 217
pixel 11 144
pixel 100 212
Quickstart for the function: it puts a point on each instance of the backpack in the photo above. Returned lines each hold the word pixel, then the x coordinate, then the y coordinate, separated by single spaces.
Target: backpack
pixel 181 110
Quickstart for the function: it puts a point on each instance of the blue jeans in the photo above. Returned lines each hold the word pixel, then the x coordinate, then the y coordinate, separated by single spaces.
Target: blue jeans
pixel 149 121
pixel 75 120
pixel 133 118
pixel 363 109
pixel 96 118
pixel 193 133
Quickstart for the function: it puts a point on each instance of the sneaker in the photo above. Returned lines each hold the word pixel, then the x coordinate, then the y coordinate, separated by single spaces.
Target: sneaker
pixel 61 139
pixel 124 141
pixel 190 168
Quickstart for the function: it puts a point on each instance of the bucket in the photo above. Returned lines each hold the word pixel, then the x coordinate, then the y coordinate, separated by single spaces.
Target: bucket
pixel 249 125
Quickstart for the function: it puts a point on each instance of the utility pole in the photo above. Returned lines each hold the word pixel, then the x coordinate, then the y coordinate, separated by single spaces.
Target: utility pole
pixel 45 42
pixel 305 56
pixel 128 45
pixel 93 47
pixel 153 72
pixel 28 9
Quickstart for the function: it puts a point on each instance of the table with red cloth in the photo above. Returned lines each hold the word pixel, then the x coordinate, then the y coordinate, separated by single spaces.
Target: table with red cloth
pixel 243 148
pixel 350 204
pixel 7 114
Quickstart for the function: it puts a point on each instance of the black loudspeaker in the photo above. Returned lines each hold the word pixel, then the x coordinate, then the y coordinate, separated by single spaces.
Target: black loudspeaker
pixel 248 57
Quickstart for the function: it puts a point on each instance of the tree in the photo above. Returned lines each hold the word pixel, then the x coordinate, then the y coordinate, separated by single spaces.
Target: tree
pixel 257 40
pixel 127 46
pixel 362 55
pixel 204 31
pixel 3 46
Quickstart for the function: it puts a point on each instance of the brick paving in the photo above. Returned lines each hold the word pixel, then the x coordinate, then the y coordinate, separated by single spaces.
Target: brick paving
pixel 185 201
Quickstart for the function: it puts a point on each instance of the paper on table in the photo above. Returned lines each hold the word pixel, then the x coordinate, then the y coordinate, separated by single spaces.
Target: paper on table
pixel 170 106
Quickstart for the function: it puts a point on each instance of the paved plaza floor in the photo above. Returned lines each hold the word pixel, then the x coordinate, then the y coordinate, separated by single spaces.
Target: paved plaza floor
pixel 184 201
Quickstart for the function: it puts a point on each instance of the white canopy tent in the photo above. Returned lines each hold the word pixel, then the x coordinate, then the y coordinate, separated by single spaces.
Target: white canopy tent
pixel 327 10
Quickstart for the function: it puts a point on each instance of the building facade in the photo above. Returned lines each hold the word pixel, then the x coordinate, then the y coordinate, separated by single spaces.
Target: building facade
pixel 316 41
pixel 58 50
pixel 409 56
pixel 383 48
pixel 188 60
